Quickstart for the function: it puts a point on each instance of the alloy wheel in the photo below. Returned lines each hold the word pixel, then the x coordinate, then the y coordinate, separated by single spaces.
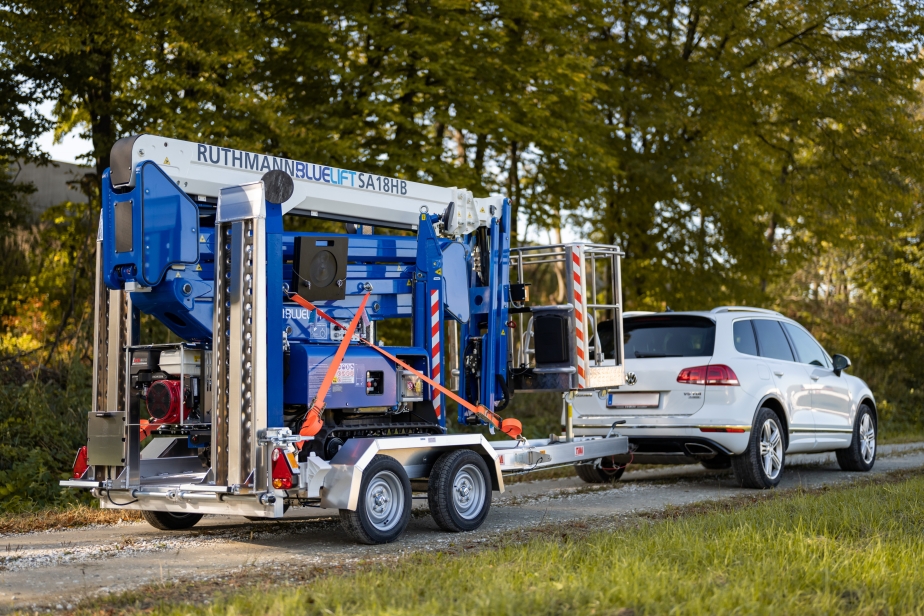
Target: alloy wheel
pixel 867 438
pixel 771 448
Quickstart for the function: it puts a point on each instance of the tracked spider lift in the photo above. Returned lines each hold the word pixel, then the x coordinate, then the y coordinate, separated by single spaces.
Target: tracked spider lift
pixel 279 393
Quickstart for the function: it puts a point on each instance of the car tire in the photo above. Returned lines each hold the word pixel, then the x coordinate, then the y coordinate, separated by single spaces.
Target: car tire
pixel 861 455
pixel 720 462
pixel 601 470
pixel 459 493
pixel 761 465
pixel 167 520
pixel 384 507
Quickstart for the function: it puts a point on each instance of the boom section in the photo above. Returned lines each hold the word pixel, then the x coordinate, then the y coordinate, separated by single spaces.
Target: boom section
pixel 325 191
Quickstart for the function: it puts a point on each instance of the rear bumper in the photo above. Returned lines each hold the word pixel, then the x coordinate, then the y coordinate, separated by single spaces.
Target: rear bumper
pixel 722 423
pixel 652 437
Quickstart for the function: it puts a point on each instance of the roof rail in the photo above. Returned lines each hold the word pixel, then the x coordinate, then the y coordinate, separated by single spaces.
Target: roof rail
pixel 744 309
pixel 637 313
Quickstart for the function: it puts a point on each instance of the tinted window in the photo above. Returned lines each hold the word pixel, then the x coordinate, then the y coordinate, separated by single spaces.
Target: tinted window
pixel 806 348
pixel 744 338
pixel 771 340
pixel 667 336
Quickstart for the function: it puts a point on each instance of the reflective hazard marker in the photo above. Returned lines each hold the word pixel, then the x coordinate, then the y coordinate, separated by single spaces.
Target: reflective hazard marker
pixel 435 349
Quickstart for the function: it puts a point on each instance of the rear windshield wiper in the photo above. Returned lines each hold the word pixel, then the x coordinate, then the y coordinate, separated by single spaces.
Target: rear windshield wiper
pixel 647 355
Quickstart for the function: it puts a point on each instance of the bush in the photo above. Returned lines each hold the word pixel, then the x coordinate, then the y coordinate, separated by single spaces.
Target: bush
pixel 42 425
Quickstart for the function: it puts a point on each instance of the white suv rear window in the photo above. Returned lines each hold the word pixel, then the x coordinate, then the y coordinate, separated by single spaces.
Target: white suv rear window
pixel 669 336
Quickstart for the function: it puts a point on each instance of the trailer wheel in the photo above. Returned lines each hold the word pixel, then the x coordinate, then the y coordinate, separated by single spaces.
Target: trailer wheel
pixel 384 507
pixel 460 491
pixel 167 520
pixel 603 470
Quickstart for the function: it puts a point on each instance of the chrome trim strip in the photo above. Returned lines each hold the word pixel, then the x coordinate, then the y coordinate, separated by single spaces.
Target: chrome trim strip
pixel 668 426
pixel 698 427
pixel 823 430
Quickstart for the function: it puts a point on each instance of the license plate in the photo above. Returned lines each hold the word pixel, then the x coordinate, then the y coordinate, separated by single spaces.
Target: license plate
pixel 633 400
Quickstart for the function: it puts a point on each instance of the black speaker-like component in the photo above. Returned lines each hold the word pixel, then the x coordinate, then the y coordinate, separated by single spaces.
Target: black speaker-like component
pixel 550 332
pixel 319 268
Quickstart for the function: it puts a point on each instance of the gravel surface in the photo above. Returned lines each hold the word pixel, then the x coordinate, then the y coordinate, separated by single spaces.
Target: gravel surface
pixel 56 569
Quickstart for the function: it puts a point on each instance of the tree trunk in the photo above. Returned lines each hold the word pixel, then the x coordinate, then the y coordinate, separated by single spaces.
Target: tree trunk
pixel 513 192
pixel 99 104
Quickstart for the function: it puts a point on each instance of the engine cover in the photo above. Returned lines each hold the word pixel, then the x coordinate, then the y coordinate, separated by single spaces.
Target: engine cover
pixel 364 379
pixel 165 402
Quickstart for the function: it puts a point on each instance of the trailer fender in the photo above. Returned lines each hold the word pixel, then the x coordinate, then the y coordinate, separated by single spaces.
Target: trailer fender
pixel 417 454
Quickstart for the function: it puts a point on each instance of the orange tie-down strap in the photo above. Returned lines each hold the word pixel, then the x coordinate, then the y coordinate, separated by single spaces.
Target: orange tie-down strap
pixel 511 427
pixel 313 424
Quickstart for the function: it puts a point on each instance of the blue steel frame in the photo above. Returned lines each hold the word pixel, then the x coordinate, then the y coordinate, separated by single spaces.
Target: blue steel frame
pixel 489 313
pixel 274 327
pixel 415 272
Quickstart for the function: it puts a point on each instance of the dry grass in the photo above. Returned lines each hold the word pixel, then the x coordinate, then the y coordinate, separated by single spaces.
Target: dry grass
pixel 72 517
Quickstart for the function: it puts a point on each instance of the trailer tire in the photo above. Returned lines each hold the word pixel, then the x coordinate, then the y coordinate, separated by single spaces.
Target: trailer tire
pixel 594 472
pixel 460 491
pixel 167 520
pixel 384 507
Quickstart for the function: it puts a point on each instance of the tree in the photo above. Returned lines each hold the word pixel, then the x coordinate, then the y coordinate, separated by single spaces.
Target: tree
pixel 743 135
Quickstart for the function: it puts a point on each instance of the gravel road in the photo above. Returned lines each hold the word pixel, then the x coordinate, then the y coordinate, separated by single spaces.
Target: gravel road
pixel 56 569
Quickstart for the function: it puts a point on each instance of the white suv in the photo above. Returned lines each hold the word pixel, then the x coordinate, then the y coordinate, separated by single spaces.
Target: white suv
pixel 738 387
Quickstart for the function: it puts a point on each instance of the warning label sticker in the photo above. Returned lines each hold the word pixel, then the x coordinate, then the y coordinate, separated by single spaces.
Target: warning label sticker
pixel 346 373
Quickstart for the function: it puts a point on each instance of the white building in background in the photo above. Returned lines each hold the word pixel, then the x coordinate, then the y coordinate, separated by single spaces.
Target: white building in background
pixel 54 183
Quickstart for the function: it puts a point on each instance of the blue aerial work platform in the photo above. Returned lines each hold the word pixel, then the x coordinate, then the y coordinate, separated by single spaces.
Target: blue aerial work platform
pixel 264 404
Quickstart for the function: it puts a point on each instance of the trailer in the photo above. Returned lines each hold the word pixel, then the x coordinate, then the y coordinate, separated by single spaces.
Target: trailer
pixel 279 392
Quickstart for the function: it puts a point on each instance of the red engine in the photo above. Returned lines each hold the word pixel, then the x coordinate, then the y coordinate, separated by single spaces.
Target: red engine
pixel 166 402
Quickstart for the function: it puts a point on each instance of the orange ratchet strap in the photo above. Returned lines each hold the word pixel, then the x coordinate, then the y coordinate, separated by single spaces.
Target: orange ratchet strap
pixel 313 424
pixel 511 427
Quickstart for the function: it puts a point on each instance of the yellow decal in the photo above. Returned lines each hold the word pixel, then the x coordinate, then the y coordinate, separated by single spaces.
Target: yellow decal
pixel 198 268
pixel 439 272
pixel 482 210
pixel 201 239
pixel 423 216
pixel 503 332
pixel 166 161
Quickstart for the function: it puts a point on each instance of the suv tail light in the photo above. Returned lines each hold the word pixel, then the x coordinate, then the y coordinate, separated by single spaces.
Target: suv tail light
pixel 716 374
pixel 282 474
pixel 80 463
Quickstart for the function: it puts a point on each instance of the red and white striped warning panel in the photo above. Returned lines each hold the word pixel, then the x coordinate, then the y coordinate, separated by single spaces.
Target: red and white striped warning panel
pixel 580 309
pixel 435 349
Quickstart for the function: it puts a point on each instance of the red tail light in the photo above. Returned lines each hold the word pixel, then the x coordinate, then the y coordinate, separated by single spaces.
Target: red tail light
pixel 716 374
pixel 282 474
pixel 80 463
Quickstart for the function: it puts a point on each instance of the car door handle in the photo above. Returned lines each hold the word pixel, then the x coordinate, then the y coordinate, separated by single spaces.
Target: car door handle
pixel 778 373
pixel 814 378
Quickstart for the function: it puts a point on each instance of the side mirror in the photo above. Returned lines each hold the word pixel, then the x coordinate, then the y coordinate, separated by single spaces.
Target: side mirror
pixel 841 363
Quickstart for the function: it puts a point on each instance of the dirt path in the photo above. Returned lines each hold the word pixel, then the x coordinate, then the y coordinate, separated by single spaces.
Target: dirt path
pixel 57 569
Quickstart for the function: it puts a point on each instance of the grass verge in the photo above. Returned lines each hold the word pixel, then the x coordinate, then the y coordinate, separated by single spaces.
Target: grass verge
pixel 899 437
pixel 70 517
pixel 849 549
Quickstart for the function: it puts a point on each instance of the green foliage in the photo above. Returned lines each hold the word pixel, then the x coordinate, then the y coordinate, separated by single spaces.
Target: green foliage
pixel 758 152
pixel 741 136
pixel 885 351
pixel 42 425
